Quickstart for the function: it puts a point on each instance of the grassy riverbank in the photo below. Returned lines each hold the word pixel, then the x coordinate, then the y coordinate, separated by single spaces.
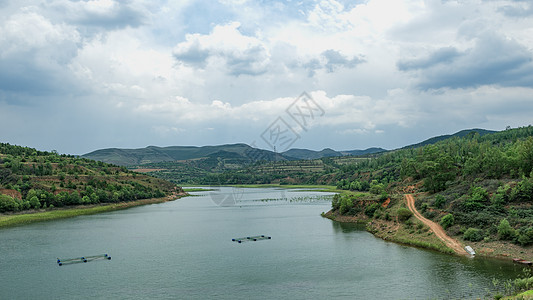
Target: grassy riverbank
pixel 8 220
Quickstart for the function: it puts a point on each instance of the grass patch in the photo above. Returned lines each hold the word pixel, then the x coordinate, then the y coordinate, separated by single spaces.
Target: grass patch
pixel 423 244
pixel 196 189
pixel 22 219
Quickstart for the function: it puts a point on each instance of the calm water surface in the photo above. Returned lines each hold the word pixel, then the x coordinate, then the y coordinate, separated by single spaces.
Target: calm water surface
pixel 183 249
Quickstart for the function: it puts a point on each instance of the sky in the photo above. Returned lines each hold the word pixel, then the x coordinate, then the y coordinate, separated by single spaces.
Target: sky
pixel 77 76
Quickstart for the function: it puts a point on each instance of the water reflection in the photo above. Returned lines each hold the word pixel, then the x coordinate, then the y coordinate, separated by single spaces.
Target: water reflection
pixel 342 227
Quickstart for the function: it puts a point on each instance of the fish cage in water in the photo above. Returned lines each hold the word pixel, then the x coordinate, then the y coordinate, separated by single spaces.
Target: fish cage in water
pixel 83 259
pixel 251 239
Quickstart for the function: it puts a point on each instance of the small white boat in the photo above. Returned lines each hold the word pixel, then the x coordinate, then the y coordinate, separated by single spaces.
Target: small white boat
pixel 470 250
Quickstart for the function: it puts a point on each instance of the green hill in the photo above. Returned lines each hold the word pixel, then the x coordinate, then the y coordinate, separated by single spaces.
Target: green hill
pixel 33 179
pixel 311 154
pixel 153 154
pixel 364 152
pixel 459 134
pixel 479 188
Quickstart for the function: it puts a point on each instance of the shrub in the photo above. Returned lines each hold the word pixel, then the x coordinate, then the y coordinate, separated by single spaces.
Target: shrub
pixel 476 200
pixel 423 207
pixel 473 234
pixel 447 221
pixel 523 284
pixel 336 202
pixel 430 214
pixel 404 214
pixel 525 236
pixel 523 191
pixel 384 196
pixel 505 231
pixel 34 202
pixel 439 201
pixel 376 188
pixel 371 209
pixel 8 204
pixel 346 205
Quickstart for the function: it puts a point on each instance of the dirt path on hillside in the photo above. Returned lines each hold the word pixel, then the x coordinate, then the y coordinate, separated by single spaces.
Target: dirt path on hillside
pixel 436 228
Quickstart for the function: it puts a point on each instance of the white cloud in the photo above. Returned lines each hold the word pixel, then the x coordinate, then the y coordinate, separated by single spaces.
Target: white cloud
pixel 34 54
pixel 225 47
pixel 146 73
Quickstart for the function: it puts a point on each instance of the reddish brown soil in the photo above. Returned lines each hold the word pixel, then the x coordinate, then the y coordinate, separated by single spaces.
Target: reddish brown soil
pixel 11 193
pixel 436 228
pixel 386 203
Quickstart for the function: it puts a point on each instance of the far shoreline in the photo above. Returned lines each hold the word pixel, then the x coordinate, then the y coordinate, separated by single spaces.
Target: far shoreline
pixel 29 217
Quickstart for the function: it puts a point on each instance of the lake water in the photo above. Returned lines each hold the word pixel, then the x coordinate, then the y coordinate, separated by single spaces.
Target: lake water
pixel 183 250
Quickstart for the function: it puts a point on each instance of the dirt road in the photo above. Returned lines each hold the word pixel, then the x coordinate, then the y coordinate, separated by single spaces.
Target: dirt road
pixel 436 228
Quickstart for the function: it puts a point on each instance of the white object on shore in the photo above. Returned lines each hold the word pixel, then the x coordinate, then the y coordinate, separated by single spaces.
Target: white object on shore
pixel 470 250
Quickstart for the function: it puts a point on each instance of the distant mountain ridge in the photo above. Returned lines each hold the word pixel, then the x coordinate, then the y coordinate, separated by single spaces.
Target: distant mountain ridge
pixel 460 134
pixel 153 154
pixel 239 154
pixel 372 150
pixel 311 154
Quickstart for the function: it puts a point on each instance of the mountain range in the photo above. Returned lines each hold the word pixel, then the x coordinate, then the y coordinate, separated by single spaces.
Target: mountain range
pixel 239 153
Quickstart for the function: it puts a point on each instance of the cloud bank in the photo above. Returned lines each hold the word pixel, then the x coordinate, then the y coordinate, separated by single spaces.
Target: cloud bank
pixel 81 75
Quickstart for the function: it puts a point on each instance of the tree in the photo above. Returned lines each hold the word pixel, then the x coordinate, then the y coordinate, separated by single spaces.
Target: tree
pixel 439 201
pixel 346 205
pixel 477 199
pixel 404 214
pixel 523 191
pixel 525 153
pixel 8 204
pixel 371 209
pixel 505 231
pixel 376 188
pixel 473 235
pixel 525 236
pixel 34 202
pixel 447 221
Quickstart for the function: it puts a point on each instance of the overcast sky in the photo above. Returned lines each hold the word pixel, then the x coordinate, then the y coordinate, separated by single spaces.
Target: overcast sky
pixel 76 76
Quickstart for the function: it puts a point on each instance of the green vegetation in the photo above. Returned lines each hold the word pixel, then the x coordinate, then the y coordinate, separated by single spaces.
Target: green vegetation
pixel 470 182
pixel 404 214
pixel 521 287
pixel 19 219
pixel 473 235
pixel 447 221
pixel 478 186
pixel 32 179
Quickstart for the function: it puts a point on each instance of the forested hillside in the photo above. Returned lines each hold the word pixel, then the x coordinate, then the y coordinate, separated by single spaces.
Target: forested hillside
pixel 479 188
pixel 32 179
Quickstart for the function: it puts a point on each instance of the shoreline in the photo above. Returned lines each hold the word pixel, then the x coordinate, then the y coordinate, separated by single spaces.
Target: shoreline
pixel 314 188
pixel 376 229
pixel 28 217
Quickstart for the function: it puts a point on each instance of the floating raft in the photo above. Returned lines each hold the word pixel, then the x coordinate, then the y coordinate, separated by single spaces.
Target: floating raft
pixel 251 238
pixel 83 259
